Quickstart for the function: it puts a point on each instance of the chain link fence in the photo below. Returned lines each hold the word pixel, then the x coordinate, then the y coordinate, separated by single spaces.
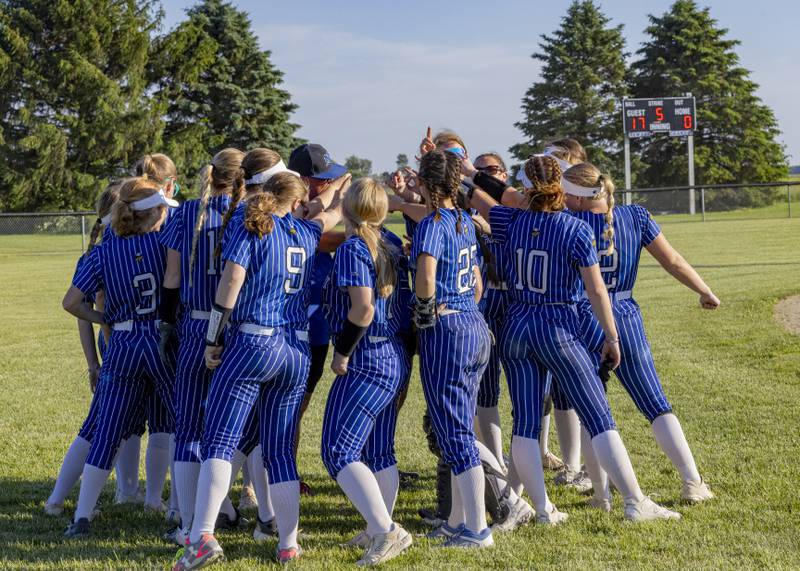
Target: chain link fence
pixel 45 232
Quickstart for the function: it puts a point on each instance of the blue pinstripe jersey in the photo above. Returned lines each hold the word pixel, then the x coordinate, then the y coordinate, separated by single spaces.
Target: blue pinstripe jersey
pixel 89 298
pixel 130 271
pixel 405 293
pixel 493 303
pixel 542 253
pixel 456 254
pixel 353 266
pixel 277 267
pixel 634 228
pixel 178 234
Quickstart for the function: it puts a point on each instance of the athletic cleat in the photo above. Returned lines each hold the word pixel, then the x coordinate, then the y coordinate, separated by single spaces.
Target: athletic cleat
pixel 408 480
pixel 602 504
pixel 248 500
pixel 520 514
pixel 176 535
pixel 552 516
pixel 173 517
pixel 137 498
pixel 225 522
pixel 360 540
pixel 53 509
pixel 77 529
pixel 199 554
pixel 470 540
pixel 582 482
pixel 285 556
pixel 445 532
pixel 693 492
pixel 565 476
pixel 265 530
pixel 386 546
pixel 158 508
pixel 647 510
pixel 305 490
pixel 431 518
pixel 552 462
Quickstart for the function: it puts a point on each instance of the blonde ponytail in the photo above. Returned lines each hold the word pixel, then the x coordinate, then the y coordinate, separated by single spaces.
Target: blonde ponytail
pixel 588 175
pixel 105 202
pixel 205 196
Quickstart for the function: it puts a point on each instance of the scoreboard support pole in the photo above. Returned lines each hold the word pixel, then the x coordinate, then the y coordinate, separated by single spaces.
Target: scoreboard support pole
pixel 690 145
pixel 628 198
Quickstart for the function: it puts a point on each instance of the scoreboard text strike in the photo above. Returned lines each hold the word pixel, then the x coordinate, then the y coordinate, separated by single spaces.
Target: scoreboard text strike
pixel 670 115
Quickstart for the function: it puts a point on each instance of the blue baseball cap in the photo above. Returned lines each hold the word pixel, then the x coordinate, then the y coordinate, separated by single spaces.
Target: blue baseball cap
pixel 313 161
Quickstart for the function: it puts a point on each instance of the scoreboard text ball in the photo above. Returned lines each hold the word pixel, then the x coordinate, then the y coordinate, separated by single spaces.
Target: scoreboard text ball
pixel 671 115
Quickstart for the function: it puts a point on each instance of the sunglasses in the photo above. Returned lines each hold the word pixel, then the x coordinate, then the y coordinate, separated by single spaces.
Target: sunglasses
pixel 176 188
pixel 457 151
pixel 491 169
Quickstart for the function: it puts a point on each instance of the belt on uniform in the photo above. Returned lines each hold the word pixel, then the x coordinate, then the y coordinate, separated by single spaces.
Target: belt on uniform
pixel 266 331
pixel 374 339
pixel 128 325
pixel 449 311
pixel 200 315
pixel 615 295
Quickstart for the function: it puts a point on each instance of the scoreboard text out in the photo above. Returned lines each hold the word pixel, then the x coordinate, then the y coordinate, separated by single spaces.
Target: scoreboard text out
pixel 674 116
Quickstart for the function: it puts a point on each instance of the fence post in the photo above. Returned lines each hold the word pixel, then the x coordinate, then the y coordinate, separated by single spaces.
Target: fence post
pixel 789 199
pixel 83 233
pixel 703 202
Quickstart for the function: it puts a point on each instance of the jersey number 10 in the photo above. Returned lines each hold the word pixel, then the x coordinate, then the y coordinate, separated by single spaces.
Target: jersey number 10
pixel 532 270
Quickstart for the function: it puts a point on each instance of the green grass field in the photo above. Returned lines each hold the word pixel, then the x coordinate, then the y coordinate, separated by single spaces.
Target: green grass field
pixel 732 376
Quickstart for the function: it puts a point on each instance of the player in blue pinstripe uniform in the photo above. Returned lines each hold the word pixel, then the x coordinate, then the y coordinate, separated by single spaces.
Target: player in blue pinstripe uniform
pixel 360 298
pixel 454 339
pixel 267 254
pixel 621 233
pixel 128 266
pixel 191 280
pixel 547 253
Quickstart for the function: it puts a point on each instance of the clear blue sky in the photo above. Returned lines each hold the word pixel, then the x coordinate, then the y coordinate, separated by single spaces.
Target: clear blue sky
pixel 369 76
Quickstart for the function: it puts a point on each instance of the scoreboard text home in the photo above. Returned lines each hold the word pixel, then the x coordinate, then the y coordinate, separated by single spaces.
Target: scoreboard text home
pixel 674 116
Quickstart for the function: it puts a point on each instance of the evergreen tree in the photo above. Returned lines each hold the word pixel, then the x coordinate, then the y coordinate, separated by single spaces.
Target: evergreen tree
pixel 735 138
pixel 402 161
pixel 220 88
pixel 357 166
pixel 73 105
pixel 582 83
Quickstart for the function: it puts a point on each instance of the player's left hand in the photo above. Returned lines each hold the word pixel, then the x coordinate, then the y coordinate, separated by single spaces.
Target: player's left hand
pixel 213 356
pixel 94 375
pixel 467 168
pixel 610 355
pixel 709 300
pixel 339 364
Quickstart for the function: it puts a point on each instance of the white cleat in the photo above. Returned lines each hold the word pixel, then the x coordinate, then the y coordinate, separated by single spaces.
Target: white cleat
pixel 602 504
pixel 578 481
pixel 648 510
pixel 53 509
pixel 521 513
pixel 137 498
pixel 551 516
pixel 386 546
pixel 552 462
pixel 248 500
pixel 696 492
pixel 360 540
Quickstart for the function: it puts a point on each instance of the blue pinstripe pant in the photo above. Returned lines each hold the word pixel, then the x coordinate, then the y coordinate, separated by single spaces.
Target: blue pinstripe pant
pixel 453 355
pixel 637 371
pixel 131 368
pixel 489 390
pixel 361 410
pixel 538 339
pixel 268 371
pixel 192 381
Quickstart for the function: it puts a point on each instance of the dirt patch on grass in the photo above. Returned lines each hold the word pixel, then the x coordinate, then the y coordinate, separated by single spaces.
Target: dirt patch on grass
pixel 787 313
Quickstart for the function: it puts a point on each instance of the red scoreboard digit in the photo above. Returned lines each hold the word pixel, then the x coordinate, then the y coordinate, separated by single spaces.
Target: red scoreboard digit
pixel 674 116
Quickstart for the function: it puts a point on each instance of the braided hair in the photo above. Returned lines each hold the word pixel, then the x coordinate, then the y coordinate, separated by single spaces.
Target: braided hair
pixel 545 174
pixel 440 172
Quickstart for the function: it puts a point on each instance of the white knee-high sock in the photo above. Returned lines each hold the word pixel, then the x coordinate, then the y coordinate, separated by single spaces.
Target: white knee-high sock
pixel 528 463
pixel 568 428
pixel 670 438
pixel 246 480
pixel 513 477
pixel 489 458
pixel 456 517
pixel 156 464
pixel 359 484
pixel 238 460
pixel 389 482
pixel 92 481
pixel 544 436
pixel 614 459
pixel 186 475
pixel 173 492
pixel 71 469
pixel 212 487
pixel 258 478
pixel 597 475
pixel 472 487
pixel 127 466
pixel 488 420
pixel 286 500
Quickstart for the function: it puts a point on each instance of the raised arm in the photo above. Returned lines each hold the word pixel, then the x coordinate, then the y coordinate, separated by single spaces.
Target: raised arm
pixel 324 200
pixel 601 306
pixel 676 266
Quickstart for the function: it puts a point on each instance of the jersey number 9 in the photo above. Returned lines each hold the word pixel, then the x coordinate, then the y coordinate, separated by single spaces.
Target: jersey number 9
pixel 296 266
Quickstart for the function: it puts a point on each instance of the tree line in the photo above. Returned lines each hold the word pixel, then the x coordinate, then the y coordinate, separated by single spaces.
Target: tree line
pixel 86 88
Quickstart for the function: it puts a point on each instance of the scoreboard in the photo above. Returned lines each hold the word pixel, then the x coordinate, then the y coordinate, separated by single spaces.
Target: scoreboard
pixel 674 116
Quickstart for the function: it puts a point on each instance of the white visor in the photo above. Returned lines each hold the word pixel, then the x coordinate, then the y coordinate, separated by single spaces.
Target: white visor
pixel 106 220
pixel 523 178
pixel 264 176
pixel 154 200
pixel 548 152
pixel 576 190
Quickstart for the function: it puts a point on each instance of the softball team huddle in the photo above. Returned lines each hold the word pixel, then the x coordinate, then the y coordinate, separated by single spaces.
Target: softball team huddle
pixel 217 315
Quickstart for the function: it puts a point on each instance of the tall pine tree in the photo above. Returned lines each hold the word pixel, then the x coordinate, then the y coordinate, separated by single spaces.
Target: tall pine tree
pixel 220 88
pixel 73 105
pixel 735 142
pixel 582 83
